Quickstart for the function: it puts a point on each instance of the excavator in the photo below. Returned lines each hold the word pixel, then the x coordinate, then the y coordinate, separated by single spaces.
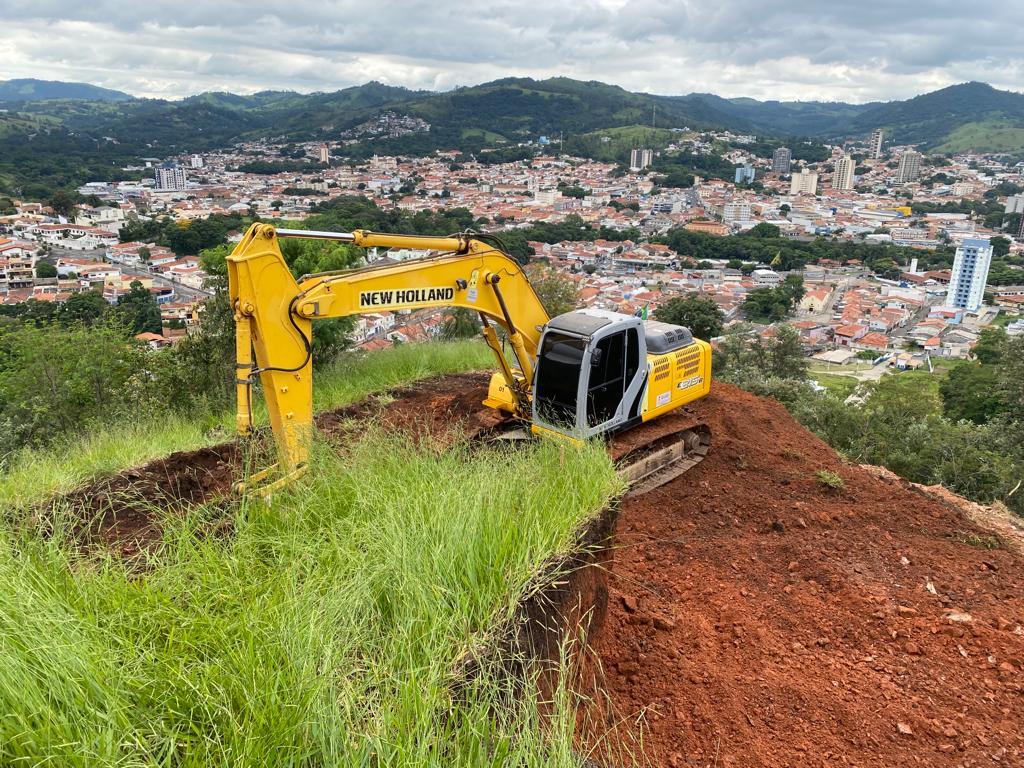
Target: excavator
pixel 582 374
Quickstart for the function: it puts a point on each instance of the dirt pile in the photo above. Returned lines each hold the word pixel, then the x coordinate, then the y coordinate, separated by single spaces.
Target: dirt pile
pixel 777 607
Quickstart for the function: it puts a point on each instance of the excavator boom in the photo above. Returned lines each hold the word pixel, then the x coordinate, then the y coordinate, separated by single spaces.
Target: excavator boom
pixel 274 312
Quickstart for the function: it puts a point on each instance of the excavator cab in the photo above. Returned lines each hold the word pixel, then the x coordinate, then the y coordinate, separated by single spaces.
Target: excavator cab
pixel 592 371
pixel 589 378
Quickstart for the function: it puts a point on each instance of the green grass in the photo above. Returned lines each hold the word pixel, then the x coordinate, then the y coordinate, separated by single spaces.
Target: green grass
pixel 32 476
pixel 989 135
pixel 839 385
pixel 322 633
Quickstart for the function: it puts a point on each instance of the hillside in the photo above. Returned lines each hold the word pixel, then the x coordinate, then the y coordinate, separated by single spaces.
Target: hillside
pixel 942 118
pixel 44 121
pixel 29 89
pixel 746 614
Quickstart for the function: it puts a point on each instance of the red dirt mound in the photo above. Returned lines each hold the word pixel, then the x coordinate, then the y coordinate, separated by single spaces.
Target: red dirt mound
pixel 760 617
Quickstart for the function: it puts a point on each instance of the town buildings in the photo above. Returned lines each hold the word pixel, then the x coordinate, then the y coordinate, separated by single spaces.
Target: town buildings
pixel 909 168
pixel 804 183
pixel 744 174
pixel 171 178
pixel 970 274
pixel 842 176
pixel 782 159
pixel 640 159
pixel 875 144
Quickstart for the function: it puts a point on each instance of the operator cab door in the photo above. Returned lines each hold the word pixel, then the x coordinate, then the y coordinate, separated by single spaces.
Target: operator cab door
pixel 586 386
pixel 615 381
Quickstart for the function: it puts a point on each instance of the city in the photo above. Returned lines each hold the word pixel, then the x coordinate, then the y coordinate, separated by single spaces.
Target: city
pixel 905 316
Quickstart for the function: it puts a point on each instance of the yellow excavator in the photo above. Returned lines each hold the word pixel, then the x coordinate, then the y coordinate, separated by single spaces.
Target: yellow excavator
pixel 581 374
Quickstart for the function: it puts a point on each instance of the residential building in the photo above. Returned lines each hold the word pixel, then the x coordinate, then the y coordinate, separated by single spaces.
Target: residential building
pixel 736 210
pixel 970 273
pixel 325 154
pixel 910 167
pixel 804 183
pixel 171 178
pixel 766 277
pixel 1015 204
pixel 744 174
pixel 782 159
pixel 196 161
pixel 842 176
pixel 640 159
pixel 875 145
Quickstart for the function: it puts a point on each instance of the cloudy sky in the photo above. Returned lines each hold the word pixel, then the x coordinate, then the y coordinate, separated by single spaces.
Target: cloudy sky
pixel 785 49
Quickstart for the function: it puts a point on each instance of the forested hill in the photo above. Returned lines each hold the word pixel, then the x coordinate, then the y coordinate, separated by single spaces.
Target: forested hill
pixel 42 121
pixel 28 89
pixel 966 116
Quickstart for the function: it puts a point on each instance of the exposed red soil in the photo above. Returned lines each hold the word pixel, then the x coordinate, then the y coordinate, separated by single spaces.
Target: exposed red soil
pixel 442 408
pixel 758 617
pixel 125 513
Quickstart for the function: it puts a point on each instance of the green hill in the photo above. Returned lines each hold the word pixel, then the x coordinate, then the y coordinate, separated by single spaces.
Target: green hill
pixel 28 89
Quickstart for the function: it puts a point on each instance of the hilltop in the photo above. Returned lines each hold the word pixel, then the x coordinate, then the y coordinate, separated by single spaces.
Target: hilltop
pixel 30 89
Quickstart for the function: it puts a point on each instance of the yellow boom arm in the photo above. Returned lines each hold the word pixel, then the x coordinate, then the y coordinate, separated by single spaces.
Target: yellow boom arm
pixel 273 316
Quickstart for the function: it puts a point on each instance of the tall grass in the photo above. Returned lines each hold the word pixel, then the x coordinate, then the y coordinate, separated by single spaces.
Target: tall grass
pixel 33 475
pixel 322 633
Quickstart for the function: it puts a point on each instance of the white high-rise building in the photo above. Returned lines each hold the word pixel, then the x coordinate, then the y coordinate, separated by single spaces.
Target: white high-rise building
pixel 910 167
pixel 171 178
pixel 782 159
pixel 875 145
pixel 970 273
pixel 804 183
pixel 842 176
pixel 325 154
pixel 196 161
pixel 640 159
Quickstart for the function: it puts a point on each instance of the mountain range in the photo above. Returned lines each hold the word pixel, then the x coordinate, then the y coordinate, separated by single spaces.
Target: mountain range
pixel 503 112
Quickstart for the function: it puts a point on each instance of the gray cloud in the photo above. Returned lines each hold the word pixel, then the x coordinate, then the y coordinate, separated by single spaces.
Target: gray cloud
pixel 799 49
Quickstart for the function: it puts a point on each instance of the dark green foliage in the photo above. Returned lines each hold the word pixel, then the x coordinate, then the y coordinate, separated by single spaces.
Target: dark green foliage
pixel 991 345
pixel 698 313
pixel 56 380
pixel 771 304
pixel 45 269
pixel 795 254
pixel 461 324
pixel 971 392
pixel 139 311
pixel 764 229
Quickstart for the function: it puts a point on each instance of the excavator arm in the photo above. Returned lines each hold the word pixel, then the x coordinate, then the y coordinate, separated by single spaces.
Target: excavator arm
pixel 274 315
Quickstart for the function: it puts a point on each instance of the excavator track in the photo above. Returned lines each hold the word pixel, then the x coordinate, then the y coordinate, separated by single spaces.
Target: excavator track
pixel 655 453
pixel 646 457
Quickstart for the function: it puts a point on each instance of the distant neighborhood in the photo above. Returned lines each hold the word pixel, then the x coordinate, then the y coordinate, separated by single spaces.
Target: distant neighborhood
pixel 861 194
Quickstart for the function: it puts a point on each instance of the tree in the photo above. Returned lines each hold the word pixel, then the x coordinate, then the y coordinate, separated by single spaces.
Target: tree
pixel 971 392
pixel 698 313
pixel 1000 246
pixel 460 323
pixel 63 204
pixel 139 310
pixel 45 269
pixel 86 308
pixel 556 290
pixel 764 229
pixel 144 254
pixel 990 346
pixel 766 304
